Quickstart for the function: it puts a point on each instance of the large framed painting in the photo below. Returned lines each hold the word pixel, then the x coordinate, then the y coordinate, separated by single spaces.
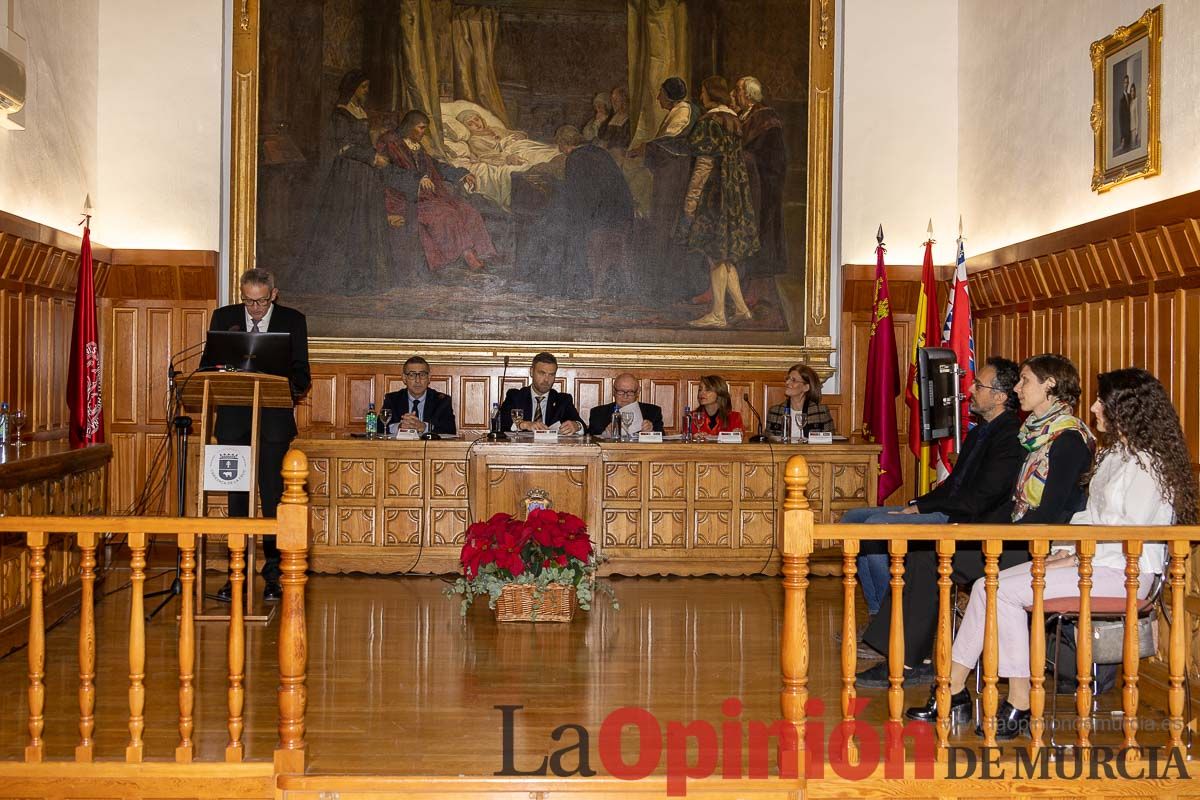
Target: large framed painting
pixel 1125 111
pixel 645 181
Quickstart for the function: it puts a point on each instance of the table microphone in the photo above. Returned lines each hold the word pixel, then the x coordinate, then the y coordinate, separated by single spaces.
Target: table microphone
pixel 761 437
pixel 497 433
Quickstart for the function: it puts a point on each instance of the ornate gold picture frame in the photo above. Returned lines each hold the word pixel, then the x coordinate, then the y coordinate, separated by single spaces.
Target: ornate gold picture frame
pixel 1127 70
pixel 807 317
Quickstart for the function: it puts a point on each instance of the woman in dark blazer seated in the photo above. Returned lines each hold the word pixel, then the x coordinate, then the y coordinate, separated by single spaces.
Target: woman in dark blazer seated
pixel 802 390
pixel 715 413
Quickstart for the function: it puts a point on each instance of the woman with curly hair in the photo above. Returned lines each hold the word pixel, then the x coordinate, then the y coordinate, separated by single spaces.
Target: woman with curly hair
pixel 1143 477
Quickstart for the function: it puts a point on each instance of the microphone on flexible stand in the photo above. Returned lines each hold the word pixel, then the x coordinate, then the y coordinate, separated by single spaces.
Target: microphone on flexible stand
pixel 761 437
pixel 496 434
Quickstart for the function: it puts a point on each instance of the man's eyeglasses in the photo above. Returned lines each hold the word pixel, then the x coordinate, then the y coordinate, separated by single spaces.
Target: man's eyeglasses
pixel 261 303
pixel 625 392
pixel 979 386
pixel 416 375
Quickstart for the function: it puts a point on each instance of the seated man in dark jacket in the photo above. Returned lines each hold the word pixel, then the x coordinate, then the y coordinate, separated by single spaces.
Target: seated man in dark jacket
pixel 980 484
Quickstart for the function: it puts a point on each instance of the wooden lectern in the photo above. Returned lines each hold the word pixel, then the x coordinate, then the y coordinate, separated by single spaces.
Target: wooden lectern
pixel 201 394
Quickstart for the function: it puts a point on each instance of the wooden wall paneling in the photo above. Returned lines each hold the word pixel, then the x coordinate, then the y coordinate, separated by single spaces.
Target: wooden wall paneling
pixel 123 370
pixel 591 392
pixel 160 339
pixel 473 402
pixel 665 394
pixel 359 391
pixel 1188 396
pixel 1140 332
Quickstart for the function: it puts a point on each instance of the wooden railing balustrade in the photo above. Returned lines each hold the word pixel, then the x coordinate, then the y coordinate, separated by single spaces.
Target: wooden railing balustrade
pixel 291 527
pixel 800 530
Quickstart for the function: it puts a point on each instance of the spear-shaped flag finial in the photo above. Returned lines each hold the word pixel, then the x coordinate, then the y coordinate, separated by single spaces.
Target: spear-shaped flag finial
pixel 929 230
pixel 960 226
pixel 879 235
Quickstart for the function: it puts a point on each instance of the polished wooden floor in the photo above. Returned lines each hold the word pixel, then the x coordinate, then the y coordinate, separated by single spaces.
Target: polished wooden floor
pixel 400 684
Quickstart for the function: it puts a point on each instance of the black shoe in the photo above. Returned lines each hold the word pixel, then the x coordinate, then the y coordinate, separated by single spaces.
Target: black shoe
pixel 225 593
pixel 876 677
pixel 272 591
pixel 1010 722
pixel 960 708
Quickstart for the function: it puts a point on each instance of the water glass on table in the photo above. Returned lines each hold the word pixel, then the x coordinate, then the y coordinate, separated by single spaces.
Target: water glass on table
pixel 518 416
pixel 17 420
pixel 385 417
pixel 627 425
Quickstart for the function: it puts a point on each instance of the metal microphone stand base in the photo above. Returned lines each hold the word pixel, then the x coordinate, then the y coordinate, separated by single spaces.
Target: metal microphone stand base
pixel 182 424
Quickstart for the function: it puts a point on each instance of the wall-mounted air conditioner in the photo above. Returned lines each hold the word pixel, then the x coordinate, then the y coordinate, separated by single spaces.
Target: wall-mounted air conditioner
pixel 12 76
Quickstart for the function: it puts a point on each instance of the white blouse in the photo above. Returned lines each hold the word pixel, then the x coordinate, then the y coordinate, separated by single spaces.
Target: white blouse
pixel 1125 491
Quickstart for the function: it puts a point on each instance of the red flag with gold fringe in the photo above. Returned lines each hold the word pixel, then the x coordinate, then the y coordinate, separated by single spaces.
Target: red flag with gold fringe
pixel 883 383
pixel 83 379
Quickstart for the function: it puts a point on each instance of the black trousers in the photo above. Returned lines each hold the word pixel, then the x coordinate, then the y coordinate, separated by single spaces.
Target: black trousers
pixel 921 596
pixel 270 491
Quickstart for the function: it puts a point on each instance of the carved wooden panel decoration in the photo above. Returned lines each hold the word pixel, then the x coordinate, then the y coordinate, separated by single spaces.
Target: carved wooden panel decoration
pixel 356 526
pixel 849 483
pixel 318 477
pixel 622 480
pixel 816 483
pixel 403 478
pixel 712 528
pixel 667 480
pixel 356 477
pixel 401 526
pixel 621 529
pixel 759 481
pixel 667 529
pixel 714 481
pixel 757 529
pixel 449 526
pixel 449 478
pixel 319 518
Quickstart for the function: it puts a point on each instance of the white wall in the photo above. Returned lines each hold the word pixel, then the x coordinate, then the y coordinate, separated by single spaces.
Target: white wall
pixel 47 169
pixel 899 145
pixel 1025 93
pixel 161 81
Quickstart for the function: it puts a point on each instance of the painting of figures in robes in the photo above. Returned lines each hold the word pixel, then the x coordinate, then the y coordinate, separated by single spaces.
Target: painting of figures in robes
pixel 558 170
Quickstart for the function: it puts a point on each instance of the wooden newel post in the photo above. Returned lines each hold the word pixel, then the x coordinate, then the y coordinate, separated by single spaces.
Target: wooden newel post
pixel 293 642
pixel 797 547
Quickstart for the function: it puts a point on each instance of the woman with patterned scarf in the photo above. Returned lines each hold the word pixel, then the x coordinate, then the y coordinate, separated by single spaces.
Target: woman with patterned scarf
pixel 1049 490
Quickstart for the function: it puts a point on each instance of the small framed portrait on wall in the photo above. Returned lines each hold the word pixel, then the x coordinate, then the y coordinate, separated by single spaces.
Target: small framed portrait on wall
pixel 1127 69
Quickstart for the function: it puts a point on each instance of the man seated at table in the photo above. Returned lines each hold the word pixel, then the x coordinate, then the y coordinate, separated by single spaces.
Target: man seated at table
pixel 646 416
pixel 542 407
pixel 416 407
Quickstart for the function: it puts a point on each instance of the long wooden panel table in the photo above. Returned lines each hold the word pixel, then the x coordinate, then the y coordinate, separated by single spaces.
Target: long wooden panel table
pixel 386 506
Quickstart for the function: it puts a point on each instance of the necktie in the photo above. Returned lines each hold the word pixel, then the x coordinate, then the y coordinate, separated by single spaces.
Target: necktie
pixel 416 409
pixel 254 327
pixel 537 415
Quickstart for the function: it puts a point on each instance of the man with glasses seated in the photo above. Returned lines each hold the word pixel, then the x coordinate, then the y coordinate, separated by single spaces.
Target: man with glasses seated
pixel 981 482
pixel 416 407
pixel 259 313
pixel 646 417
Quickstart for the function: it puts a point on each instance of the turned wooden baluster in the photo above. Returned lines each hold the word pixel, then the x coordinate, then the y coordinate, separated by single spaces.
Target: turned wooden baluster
pixel 187 646
pixel 236 645
pixel 797 547
pixel 87 647
pixel 137 646
pixel 293 642
pixel 1037 645
pixel 991 639
pixel 1177 651
pixel 1083 645
pixel 1129 695
pixel 850 548
pixel 945 557
pixel 37 645
pixel 898 549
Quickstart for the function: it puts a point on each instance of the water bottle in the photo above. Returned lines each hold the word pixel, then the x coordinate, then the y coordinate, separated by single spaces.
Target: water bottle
pixel 372 420
pixel 787 425
pixel 495 418
pixel 687 424
pixel 3 423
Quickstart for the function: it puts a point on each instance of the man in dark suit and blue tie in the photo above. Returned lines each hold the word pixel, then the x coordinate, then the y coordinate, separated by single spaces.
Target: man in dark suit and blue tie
pixel 543 407
pixel 259 313
pixel 646 416
pixel 418 408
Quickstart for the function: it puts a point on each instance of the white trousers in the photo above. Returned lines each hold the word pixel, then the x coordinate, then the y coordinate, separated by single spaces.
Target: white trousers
pixel 1013 595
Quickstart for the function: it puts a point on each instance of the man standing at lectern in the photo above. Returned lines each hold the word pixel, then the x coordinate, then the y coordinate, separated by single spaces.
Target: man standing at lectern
pixel 258 313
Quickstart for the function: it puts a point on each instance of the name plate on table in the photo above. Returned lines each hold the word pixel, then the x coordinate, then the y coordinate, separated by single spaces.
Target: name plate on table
pixel 729 437
pixel 820 437
pixel 407 435
pixel 545 436
pixel 650 436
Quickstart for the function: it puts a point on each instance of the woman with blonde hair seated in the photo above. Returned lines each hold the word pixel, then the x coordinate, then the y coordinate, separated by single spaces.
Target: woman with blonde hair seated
pixel 801 411
pixel 715 412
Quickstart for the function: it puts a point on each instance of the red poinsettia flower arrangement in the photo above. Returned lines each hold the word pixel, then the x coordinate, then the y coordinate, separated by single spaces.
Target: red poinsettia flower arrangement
pixel 546 547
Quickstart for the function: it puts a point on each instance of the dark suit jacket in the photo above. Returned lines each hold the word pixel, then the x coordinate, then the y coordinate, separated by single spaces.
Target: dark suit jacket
pixel 601 417
pixel 435 410
pixel 560 407
pixel 276 424
pixel 989 476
